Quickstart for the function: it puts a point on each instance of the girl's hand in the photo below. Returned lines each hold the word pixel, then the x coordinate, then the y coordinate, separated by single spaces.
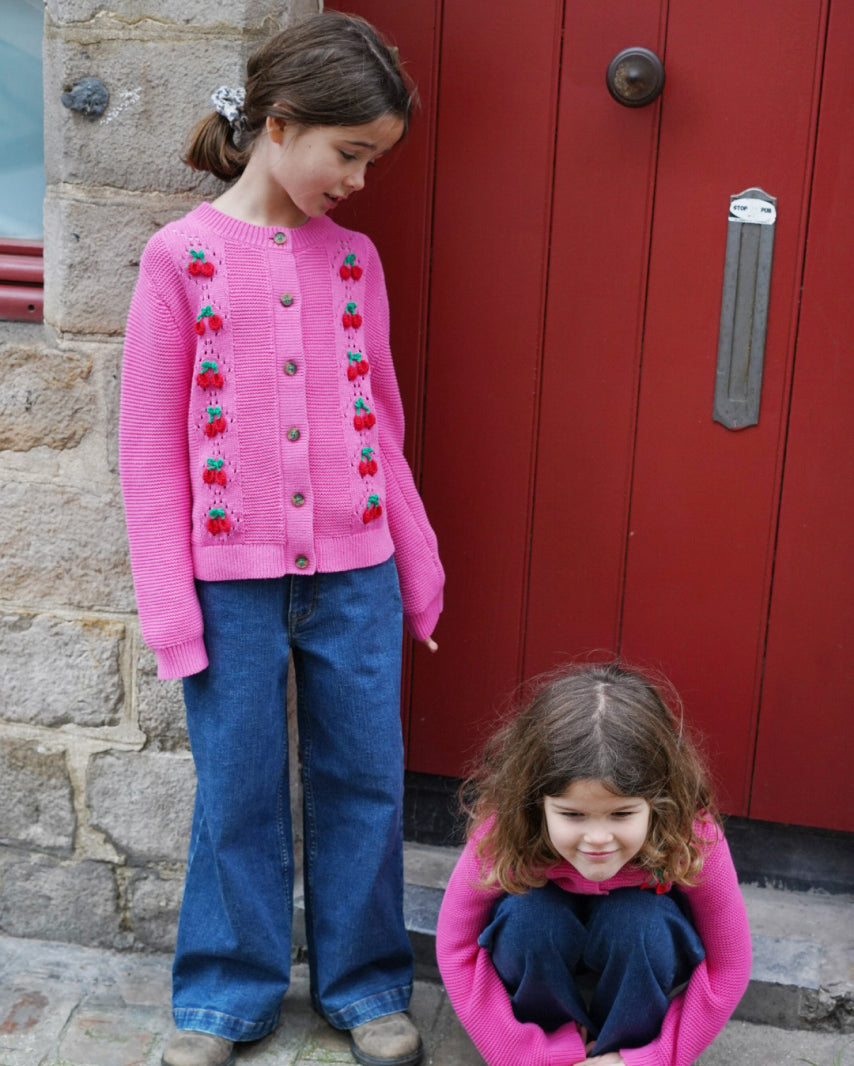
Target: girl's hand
pixel 613 1058
pixel 430 644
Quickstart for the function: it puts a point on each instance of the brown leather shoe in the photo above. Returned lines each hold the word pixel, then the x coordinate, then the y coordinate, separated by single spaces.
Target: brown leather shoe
pixel 188 1048
pixel 391 1040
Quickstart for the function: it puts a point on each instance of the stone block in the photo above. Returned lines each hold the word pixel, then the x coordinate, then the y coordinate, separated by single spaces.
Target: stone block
pixel 249 14
pixel 36 800
pixel 56 671
pixel 46 400
pixel 44 898
pixel 65 547
pixel 158 89
pixel 153 905
pixel 161 708
pixel 92 253
pixel 143 803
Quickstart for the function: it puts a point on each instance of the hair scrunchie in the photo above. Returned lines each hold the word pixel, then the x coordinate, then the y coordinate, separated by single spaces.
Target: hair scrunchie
pixel 229 103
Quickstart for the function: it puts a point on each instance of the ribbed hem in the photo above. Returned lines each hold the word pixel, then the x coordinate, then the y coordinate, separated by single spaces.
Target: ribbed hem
pixel 181 660
pixel 235 562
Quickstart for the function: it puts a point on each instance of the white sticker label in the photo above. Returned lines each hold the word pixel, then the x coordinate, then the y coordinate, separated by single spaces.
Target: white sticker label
pixel 749 209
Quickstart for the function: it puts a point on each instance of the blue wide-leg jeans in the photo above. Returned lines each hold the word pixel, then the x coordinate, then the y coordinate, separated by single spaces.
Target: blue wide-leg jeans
pixel 233 953
pixel 633 946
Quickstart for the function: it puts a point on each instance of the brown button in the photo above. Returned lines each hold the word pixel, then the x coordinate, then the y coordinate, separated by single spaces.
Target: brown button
pixel 301 562
pixel 297 499
pixel 290 368
pixel 280 238
pixel 286 299
pixel 293 433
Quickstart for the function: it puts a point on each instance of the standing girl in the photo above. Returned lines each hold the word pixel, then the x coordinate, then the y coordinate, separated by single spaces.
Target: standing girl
pixel 594 915
pixel 270 511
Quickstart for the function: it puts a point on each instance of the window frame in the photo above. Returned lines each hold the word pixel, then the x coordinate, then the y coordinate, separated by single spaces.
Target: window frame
pixel 21 279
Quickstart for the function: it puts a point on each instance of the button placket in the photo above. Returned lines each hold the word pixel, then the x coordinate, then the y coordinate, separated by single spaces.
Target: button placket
pixel 298 513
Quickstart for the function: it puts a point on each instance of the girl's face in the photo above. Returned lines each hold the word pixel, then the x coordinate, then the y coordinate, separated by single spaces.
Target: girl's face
pixel 318 167
pixel 594 830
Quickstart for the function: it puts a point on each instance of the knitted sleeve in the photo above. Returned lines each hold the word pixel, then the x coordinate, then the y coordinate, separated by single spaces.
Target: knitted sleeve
pixel 475 989
pixel 415 547
pixel 698 1014
pixel 154 465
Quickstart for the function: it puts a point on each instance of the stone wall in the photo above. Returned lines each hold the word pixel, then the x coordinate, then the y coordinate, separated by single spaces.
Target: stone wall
pixel 96 780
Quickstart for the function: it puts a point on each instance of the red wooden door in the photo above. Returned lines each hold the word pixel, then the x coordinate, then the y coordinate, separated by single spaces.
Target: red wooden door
pixel 562 385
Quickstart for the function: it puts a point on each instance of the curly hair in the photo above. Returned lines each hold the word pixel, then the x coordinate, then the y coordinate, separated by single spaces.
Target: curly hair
pixel 599 722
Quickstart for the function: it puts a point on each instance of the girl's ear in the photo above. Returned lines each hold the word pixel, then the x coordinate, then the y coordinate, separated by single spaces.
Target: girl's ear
pixel 275 128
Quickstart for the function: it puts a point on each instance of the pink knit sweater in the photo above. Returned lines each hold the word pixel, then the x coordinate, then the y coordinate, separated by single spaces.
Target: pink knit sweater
pixel 695 1016
pixel 261 425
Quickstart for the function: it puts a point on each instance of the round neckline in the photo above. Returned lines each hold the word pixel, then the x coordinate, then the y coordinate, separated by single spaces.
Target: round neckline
pixel 250 233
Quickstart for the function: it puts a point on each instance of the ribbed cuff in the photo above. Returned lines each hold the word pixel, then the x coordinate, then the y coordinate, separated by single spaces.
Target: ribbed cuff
pixel 181 660
pixel 422 624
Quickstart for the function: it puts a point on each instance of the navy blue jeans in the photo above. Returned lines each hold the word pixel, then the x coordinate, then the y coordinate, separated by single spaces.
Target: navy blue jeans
pixel 232 960
pixel 632 946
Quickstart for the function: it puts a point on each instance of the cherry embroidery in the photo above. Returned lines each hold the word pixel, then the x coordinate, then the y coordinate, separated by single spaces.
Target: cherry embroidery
pixel 213 320
pixel 658 883
pixel 218 521
pixel 213 472
pixel 210 377
pixel 373 510
pixel 215 423
pixel 358 365
pixel 367 465
pixel 199 265
pixel 365 420
pixel 351 317
pixel 350 269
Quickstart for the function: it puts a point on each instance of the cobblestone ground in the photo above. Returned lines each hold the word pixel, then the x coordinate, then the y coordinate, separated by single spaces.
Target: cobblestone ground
pixel 62 1005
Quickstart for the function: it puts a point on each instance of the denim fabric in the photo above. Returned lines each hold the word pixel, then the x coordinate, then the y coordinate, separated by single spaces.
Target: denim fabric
pixel 232 960
pixel 637 947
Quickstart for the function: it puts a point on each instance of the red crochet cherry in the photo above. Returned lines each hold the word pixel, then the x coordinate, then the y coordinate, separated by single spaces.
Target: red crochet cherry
pixel 215 423
pixel 199 265
pixel 364 418
pixel 357 365
pixel 367 465
pixel 217 521
pixel 351 317
pixel 210 377
pixel 213 319
pixel 373 510
pixel 214 473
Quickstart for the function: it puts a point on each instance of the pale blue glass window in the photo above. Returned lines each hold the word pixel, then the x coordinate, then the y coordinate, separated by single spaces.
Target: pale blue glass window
pixel 21 119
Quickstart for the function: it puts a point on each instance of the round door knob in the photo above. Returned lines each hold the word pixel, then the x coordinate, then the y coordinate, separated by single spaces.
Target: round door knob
pixel 635 77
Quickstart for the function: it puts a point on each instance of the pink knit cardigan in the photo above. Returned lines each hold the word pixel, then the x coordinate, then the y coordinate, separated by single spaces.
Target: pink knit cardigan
pixel 695 1016
pixel 261 429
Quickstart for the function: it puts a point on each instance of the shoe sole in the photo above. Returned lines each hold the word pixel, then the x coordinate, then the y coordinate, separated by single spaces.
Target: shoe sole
pixel 371 1060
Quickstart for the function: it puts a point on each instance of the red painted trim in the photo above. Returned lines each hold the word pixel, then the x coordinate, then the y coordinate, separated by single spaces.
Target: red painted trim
pixel 21 280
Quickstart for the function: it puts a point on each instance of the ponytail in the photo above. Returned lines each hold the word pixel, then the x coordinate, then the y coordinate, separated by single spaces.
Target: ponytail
pixel 212 147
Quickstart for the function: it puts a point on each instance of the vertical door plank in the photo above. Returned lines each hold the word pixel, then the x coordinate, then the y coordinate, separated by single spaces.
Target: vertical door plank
pixel 705 498
pixel 803 773
pixel 604 178
pixel 494 162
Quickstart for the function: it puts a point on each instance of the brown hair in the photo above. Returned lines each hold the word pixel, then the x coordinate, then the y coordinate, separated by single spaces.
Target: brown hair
pixel 329 69
pixel 604 723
